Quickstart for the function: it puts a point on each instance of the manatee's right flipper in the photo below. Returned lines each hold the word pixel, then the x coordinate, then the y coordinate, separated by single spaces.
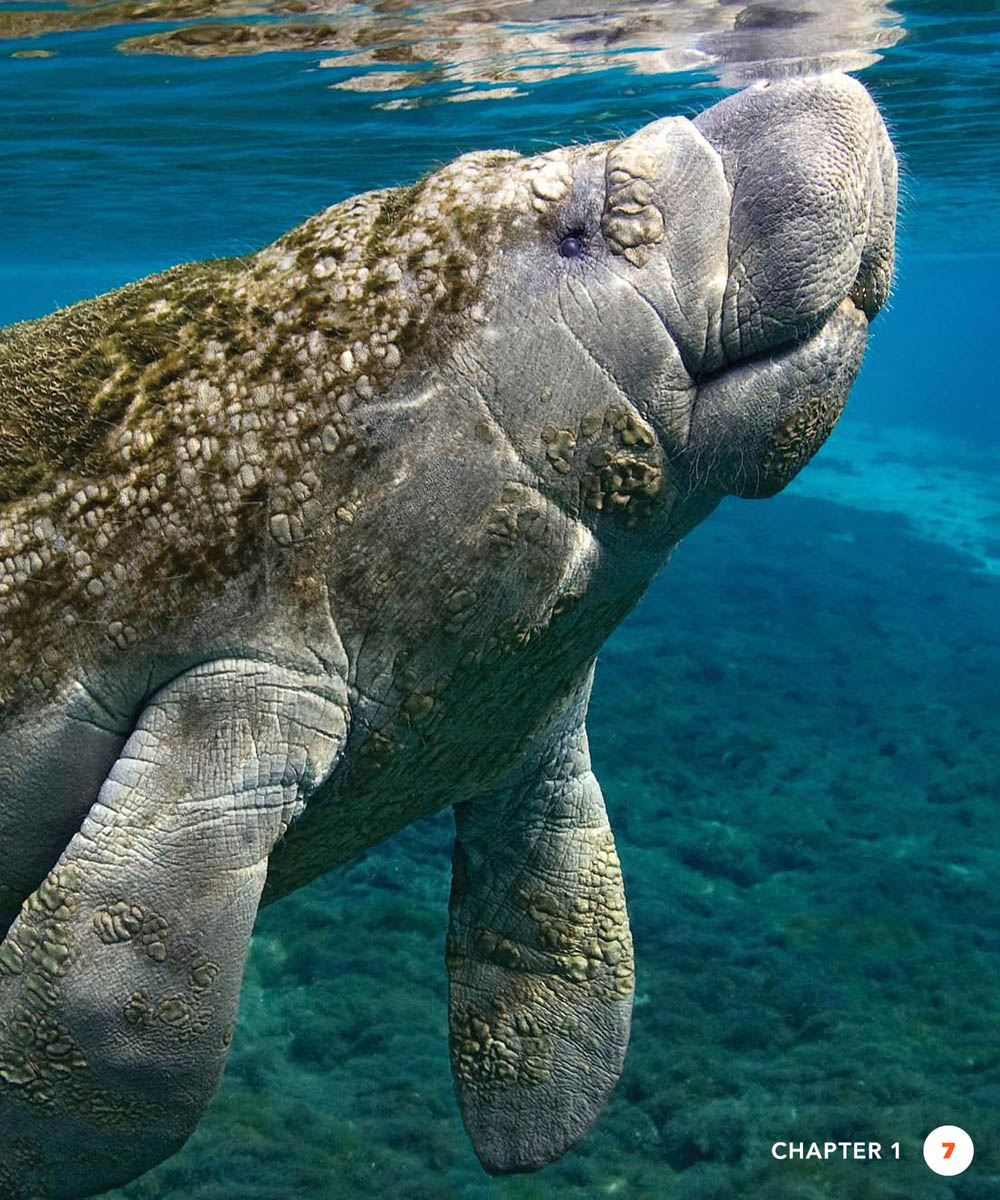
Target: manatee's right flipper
pixel 120 978
pixel 539 960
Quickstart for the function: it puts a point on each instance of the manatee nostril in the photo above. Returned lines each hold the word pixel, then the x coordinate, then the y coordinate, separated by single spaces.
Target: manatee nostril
pixel 571 245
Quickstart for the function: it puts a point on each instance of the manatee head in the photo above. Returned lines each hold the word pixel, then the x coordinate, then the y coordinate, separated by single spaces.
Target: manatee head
pixel 717 275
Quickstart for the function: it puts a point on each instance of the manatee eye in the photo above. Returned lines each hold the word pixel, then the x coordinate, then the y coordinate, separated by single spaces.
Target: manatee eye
pixel 571 245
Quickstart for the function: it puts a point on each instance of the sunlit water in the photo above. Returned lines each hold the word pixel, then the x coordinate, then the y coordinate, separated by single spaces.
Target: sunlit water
pixel 802 764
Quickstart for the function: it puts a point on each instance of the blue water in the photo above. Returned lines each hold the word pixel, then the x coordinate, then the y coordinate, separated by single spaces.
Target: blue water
pixel 802 765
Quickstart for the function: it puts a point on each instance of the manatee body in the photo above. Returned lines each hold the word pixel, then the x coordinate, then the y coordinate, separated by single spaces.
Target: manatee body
pixel 297 548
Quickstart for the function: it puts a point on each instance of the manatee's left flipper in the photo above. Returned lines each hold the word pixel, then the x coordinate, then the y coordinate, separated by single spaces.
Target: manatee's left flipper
pixel 539 960
pixel 120 978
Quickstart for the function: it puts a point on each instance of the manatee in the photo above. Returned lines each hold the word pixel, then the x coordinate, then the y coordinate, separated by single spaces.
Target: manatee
pixel 299 547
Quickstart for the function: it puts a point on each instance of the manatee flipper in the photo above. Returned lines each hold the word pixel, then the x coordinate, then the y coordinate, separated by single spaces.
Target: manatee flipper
pixel 539 960
pixel 119 979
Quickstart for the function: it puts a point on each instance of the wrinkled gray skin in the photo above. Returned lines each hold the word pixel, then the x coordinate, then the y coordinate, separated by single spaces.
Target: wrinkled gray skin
pixel 295 601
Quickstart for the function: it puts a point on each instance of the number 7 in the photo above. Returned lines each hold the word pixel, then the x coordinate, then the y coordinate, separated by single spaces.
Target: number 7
pixel 949 1147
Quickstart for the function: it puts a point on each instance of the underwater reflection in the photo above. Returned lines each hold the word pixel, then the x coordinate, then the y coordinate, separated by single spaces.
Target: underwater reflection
pixel 470 51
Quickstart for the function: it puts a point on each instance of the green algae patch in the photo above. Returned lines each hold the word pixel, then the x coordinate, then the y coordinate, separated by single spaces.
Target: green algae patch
pixel 849 934
pixel 67 379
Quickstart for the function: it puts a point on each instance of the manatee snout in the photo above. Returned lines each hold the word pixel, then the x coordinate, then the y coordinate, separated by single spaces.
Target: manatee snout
pixel 812 179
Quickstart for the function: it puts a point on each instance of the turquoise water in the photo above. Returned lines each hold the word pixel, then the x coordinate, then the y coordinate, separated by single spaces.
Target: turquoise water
pixel 802 766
